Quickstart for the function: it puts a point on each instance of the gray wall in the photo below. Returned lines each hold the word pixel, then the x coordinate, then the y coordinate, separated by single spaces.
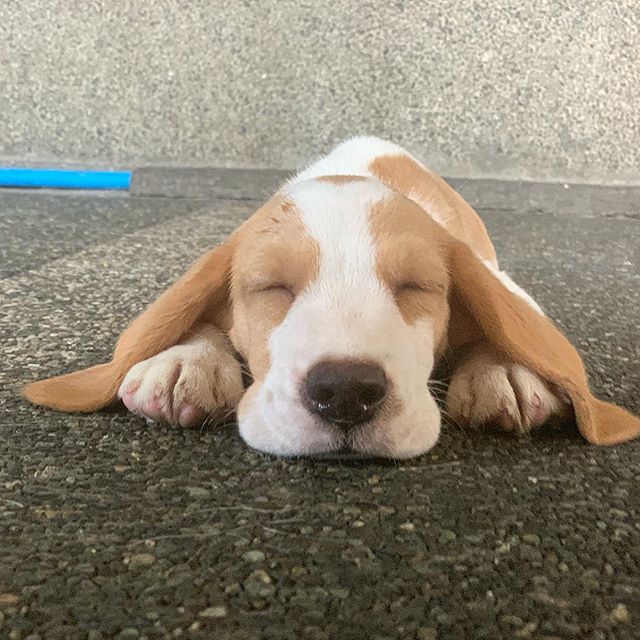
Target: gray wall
pixel 504 88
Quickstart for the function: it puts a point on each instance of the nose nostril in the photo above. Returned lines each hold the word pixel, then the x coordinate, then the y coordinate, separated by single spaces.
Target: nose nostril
pixel 323 393
pixel 371 394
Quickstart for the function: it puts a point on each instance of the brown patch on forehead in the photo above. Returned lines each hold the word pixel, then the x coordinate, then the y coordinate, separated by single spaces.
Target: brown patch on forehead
pixel 276 246
pixel 275 254
pixel 340 179
pixel 404 175
pixel 410 262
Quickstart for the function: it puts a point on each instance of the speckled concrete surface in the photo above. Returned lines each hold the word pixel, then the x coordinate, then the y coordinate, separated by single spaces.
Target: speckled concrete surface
pixel 511 195
pixel 544 90
pixel 111 529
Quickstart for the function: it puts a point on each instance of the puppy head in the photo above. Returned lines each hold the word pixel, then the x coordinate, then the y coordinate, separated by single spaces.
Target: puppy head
pixel 339 303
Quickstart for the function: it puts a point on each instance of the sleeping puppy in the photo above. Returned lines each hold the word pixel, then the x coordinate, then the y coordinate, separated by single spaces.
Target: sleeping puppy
pixel 340 295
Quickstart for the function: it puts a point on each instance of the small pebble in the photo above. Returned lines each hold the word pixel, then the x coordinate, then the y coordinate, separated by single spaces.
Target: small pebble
pixel 446 536
pixel 527 630
pixel 253 556
pixel 620 613
pixel 213 612
pixel 259 585
pixel 198 492
pixel 531 538
pixel 141 560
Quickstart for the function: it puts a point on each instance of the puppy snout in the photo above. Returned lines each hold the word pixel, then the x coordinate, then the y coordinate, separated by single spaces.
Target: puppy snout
pixel 345 393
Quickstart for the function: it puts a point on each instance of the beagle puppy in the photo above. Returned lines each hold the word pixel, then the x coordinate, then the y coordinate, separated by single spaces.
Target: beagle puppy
pixel 339 296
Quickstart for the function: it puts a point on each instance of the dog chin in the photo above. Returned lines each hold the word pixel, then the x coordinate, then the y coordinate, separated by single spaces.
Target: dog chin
pixel 289 430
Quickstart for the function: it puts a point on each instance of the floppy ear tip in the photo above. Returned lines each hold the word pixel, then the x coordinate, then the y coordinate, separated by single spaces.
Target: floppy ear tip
pixel 609 424
pixel 47 393
pixel 35 392
pixel 81 391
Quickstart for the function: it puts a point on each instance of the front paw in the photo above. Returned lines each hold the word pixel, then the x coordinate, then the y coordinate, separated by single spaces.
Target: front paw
pixel 182 390
pixel 488 391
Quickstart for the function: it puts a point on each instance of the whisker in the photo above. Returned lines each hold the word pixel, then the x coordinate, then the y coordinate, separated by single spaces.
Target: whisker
pixel 452 420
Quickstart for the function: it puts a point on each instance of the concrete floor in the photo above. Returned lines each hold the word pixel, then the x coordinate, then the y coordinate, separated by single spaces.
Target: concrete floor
pixel 112 529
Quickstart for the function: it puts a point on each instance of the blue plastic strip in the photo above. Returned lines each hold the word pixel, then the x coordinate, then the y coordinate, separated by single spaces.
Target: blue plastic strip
pixel 63 178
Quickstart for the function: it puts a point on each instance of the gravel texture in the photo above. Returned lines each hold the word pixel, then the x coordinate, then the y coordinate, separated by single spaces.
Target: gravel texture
pixel 504 88
pixel 113 529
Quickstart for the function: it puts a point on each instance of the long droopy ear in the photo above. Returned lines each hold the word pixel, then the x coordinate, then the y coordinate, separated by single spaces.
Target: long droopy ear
pixel 529 338
pixel 196 294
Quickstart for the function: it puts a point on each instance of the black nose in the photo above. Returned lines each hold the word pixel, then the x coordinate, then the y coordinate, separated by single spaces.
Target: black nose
pixel 345 392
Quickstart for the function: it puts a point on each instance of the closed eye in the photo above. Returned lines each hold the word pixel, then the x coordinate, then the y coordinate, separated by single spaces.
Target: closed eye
pixel 419 287
pixel 275 286
pixel 272 288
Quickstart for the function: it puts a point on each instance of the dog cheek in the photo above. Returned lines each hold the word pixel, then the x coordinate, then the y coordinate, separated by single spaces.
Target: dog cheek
pixel 424 436
pixel 273 422
pixel 254 430
pixel 411 433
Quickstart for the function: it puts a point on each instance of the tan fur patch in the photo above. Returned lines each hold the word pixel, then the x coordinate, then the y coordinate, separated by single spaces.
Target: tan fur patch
pixel 411 262
pixel 275 261
pixel 437 198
